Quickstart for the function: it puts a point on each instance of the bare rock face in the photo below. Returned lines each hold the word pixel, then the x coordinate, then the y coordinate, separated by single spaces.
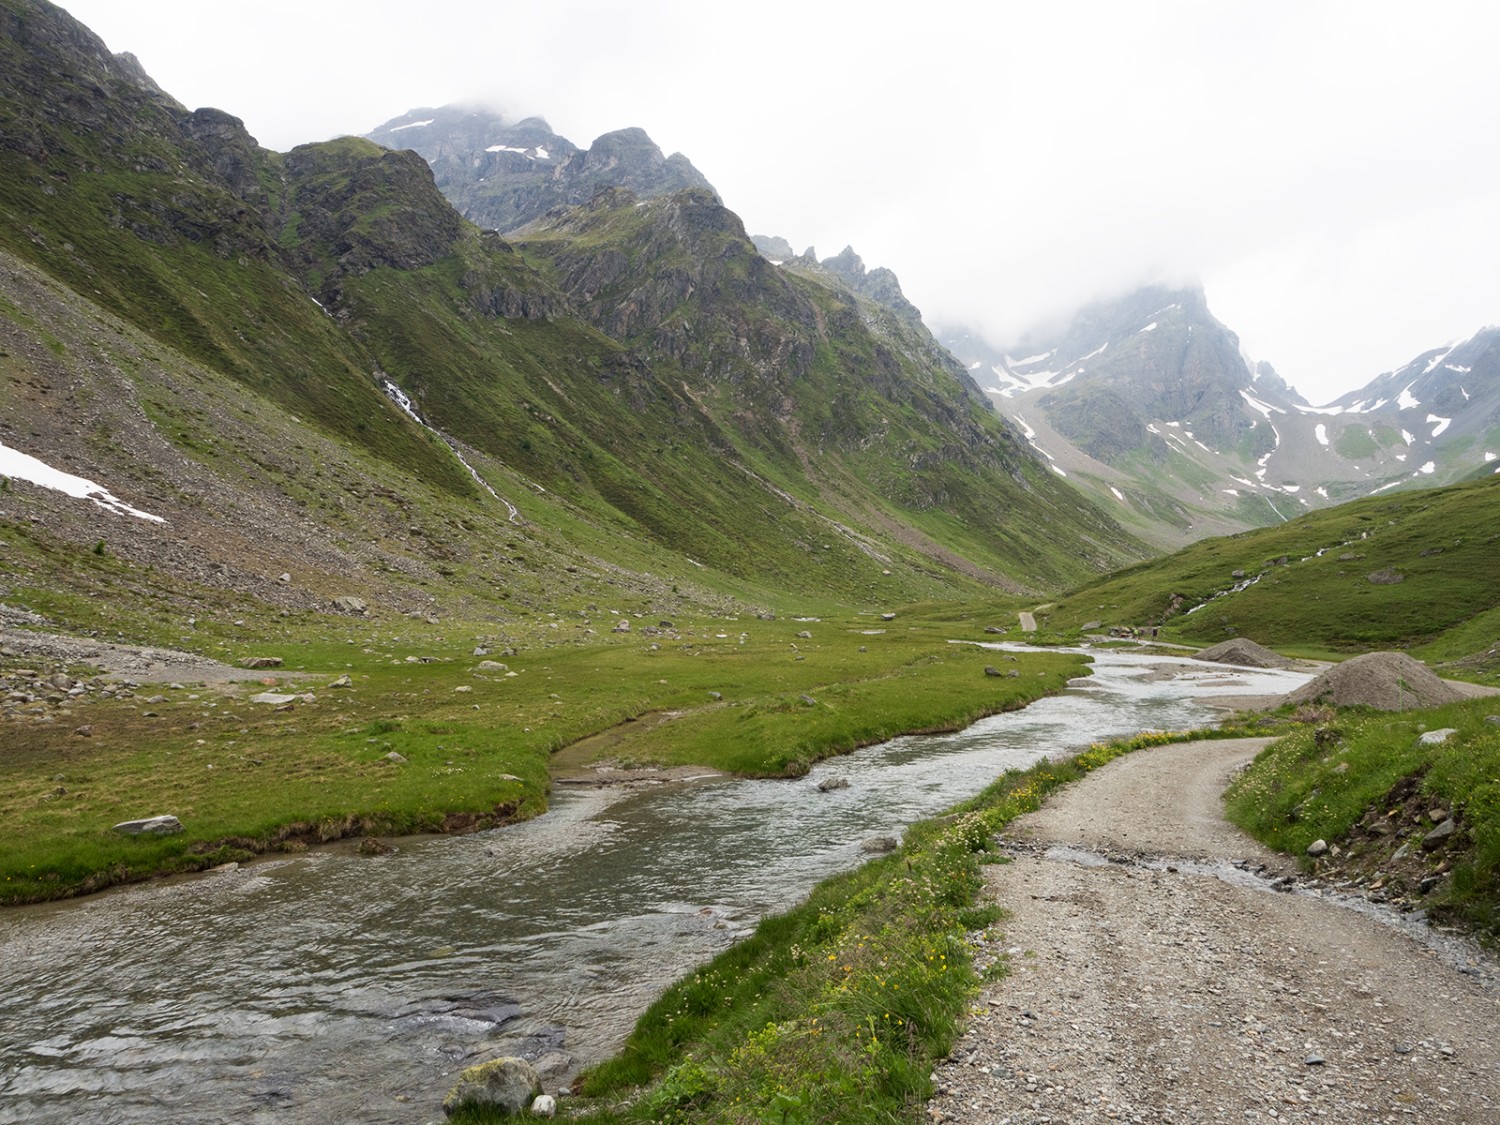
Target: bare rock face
pixel 1387 681
pixel 507 1084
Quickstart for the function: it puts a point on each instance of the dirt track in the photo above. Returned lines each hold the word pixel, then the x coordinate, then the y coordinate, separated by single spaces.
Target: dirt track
pixel 1137 992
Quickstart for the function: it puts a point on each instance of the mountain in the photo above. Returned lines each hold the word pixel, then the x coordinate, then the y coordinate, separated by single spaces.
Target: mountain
pixel 501 174
pixel 308 376
pixel 1148 402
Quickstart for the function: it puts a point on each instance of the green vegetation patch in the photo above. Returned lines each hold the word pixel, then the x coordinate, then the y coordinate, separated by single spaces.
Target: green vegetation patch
pixel 1368 784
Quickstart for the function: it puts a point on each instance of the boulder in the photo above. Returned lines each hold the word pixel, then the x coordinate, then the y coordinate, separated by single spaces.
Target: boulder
pixel 491 666
pixel 1436 737
pixel 991 670
pixel 544 1106
pixel 149 826
pixel 273 697
pixel 1390 576
pixel 1439 835
pixel 1317 847
pixel 509 1085
pixel 261 662
pixel 878 845
pixel 829 784
pixel 348 603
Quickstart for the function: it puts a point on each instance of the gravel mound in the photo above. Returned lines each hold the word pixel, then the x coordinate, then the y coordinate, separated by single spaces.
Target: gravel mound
pixel 1387 681
pixel 1246 653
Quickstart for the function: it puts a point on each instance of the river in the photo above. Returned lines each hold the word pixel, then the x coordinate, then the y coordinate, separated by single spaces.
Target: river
pixel 335 986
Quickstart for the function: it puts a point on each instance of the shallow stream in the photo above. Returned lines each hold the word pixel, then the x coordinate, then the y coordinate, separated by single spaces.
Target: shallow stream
pixel 338 987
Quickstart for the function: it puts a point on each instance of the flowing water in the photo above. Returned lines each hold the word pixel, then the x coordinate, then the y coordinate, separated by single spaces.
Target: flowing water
pixel 338 987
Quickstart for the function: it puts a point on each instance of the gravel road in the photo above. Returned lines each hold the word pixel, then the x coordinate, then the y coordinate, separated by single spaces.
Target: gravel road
pixel 1150 979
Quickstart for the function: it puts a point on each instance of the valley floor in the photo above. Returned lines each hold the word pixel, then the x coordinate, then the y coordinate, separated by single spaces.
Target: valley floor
pixel 1141 987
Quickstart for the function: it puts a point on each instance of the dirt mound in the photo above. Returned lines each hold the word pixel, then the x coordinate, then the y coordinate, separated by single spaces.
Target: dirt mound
pixel 1387 681
pixel 1246 653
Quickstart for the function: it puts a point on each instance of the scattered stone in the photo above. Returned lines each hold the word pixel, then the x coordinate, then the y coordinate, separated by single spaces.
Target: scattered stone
pixel 716 695
pixel 829 784
pixel 1317 847
pixel 342 682
pixel 804 635
pixel 1314 1060
pixel 1436 737
pixel 149 826
pixel 880 844
pixel 510 1085
pixel 887 617
pixel 809 700
pixel 491 666
pixel 1013 674
pixel 85 731
pixel 274 698
pixel 622 625
pixel 261 662
pixel 544 1106
pixel 1493 720
pixel 991 670
pixel 1439 835
pixel 994 629
pixel 395 757
pixel 348 603
pixel 283 578
pixel 1390 576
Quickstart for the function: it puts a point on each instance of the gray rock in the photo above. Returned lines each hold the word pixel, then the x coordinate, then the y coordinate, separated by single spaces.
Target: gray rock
pixel 395 757
pixel 273 697
pixel 887 617
pixel 1439 835
pixel 491 666
pixel 1317 847
pixel 805 635
pixel 1390 576
pixel 283 578
pixel 149 826
pixel 507 1084
pixel 809 700
pixel 622 625
pixel 261 662
pixel 829 784
pixel 544 1106
pixel 1436 737
pixel 1493 720
pixel 342 681
pixel 348 603
pixel 1314 1060
pixel 878 845
pixel 991 670
pixel 716 695
pixel 995 629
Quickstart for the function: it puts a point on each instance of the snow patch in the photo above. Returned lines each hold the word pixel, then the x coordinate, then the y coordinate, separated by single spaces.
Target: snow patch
pixel 1442 424
pixel 1320 431
pixel 1427 469
pixel 542 154
pixel 1321 491
pixel 1408 437
pixel 1406 400
pixel 412 125
pixel 1120 496
pixel 1148 328
pixel 23 466
pixel 507 148
pixel 1488 457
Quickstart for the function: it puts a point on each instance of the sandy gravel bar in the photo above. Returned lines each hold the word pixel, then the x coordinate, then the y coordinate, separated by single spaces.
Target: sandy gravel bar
pixel 1145 987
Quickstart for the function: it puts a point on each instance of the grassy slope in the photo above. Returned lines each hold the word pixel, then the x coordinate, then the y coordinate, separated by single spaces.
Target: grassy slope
pixel 1302 789
pixel 1313 592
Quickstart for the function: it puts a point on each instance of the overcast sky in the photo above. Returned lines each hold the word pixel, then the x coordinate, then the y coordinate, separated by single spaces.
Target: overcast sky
pixel 1330 172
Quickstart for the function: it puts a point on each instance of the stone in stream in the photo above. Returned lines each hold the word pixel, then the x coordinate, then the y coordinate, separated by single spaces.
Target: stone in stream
pixel 507 1084
pixel 828 785
pixel 149 826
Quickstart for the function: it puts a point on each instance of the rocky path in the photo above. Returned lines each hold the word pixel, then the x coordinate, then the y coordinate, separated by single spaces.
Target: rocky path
pixel 1150 979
